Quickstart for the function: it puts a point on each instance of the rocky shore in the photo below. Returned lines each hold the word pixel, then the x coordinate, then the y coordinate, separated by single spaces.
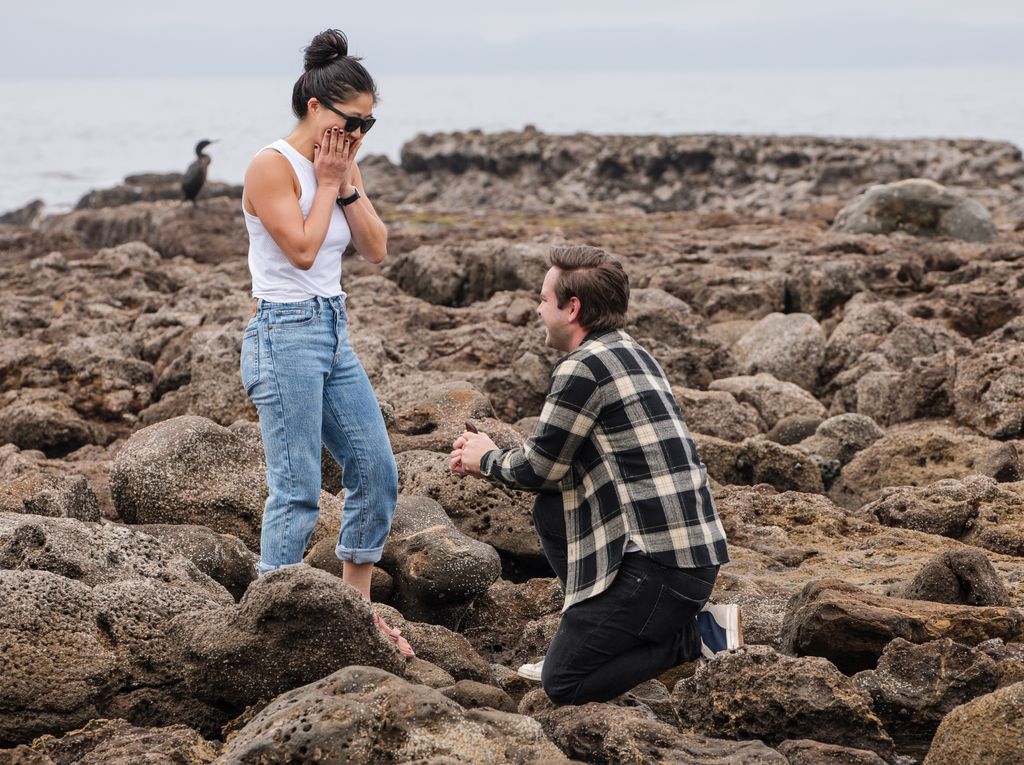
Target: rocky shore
pixel 840 319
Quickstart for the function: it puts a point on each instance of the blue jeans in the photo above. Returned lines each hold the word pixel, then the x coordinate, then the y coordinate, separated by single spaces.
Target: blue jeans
pixel 308 386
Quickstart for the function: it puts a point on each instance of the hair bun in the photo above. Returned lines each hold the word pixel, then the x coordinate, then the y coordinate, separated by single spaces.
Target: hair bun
pixel 326 47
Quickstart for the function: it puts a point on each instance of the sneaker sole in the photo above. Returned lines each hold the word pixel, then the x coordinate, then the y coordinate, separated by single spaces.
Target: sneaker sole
pixel 529 674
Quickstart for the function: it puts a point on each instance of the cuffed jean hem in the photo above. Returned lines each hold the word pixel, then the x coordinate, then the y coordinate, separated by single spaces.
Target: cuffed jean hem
pixel 356 555
pixel 264 568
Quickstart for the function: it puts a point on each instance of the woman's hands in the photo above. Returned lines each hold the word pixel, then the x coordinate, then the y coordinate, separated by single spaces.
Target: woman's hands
pixel 334 160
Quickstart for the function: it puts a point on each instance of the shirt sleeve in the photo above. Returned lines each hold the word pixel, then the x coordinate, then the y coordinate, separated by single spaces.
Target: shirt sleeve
pixel 570 410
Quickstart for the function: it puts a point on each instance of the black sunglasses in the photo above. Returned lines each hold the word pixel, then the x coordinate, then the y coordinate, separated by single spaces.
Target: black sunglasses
pixel 351 123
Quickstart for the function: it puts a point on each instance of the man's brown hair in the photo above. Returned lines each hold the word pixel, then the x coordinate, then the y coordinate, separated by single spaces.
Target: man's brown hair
pixel 597 280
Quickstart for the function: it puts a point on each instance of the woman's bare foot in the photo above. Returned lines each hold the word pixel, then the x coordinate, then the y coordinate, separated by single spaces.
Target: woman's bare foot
pixel 394 635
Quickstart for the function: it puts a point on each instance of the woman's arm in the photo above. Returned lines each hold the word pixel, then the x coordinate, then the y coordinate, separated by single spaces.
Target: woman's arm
pixel 369 235
pixel 270 189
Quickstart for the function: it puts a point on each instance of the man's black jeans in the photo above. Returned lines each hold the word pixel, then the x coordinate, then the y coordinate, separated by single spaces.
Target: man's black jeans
pixel 642 625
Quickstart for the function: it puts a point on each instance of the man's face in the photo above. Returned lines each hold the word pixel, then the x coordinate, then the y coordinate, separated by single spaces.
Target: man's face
pixel 558 327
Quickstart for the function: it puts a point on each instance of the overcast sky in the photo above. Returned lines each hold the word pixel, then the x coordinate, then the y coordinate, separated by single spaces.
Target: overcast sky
pixel 104 38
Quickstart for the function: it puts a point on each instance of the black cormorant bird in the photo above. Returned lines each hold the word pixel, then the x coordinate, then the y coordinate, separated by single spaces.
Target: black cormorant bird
pixel 194 178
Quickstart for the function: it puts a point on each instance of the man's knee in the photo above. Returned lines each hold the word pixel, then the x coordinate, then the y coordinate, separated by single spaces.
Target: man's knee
pixel 557 685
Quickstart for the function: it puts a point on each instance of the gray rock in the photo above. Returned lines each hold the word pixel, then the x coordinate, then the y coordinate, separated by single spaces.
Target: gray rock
pixel 470 694
pixel 339 718
pixel 807 752
pixel 774 399
pixel 44 420
pixel 68 496
pixel 989 391
pixel 493 514
pixel 612 734
pixel 437 569
pixel 842 436
pixel 789 346
pixel 756 692
pixel 191 470
pixel 976 510
pixel 460 274
pixel 920 207
pixel 718 413
pixel 294 625
pixel 222 557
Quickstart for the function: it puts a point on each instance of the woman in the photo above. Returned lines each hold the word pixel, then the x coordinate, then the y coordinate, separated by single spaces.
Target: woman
pixel 304 203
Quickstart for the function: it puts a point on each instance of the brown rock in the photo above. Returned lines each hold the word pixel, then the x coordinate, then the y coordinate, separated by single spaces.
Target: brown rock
pixel 834 619
pixel 987 730
pixel 117 742
pixel 755 692
pixel 964 576
pixel 608 733
pixel 807 752
pixel 915 686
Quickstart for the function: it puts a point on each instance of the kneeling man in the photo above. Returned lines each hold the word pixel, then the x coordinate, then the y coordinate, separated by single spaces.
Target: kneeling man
pixel 625 513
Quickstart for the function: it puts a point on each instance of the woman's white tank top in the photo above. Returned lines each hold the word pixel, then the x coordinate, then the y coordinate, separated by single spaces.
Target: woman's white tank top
pixel 274 278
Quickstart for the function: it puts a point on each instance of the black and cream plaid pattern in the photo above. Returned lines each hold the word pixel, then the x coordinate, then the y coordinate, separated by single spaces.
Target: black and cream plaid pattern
pixel 611 438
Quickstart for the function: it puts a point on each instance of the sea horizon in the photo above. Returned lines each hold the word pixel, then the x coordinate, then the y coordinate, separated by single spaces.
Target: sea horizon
pixel 124 126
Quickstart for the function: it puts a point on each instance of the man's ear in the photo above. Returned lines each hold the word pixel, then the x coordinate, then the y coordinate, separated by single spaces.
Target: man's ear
pixel 574 308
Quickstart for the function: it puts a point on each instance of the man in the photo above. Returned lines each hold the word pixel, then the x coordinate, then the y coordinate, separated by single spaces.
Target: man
pixel 625 513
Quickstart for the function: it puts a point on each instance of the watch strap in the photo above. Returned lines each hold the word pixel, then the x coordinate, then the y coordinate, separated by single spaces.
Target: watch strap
pixel 349 200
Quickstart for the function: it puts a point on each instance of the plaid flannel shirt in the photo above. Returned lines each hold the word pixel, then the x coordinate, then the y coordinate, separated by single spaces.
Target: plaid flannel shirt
pixel 611 438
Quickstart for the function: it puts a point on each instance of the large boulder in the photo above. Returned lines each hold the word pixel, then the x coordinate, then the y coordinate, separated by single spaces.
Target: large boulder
pixel 756 692
pixel 340 718
pixel 917 206
pixel 915 686
pixel 790 346
pixel 989 390
pixel 222 557
pixel 914 454
pixel 71 652
pixel 612 733
pixel 118 742
pixel 440 416
pixel 496 621
pixel 494 514
pixel 850 627
pixel 294 625
pixel 458 274
pixel 191 470
pixel 757 461
pixel 963 576
pixel 437 570
pixel 773 399
pixel 44 419
pixel 717 413
pixel 989 729
pixel 976 510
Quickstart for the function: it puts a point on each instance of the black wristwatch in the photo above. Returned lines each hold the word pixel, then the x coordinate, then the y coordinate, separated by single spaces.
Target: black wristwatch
pixel 348 200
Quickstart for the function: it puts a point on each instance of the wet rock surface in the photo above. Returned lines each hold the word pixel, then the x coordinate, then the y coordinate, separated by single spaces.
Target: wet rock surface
pixel 855 395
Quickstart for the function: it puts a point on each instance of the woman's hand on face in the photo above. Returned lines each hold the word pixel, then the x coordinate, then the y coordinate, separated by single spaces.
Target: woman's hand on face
pixel 334 158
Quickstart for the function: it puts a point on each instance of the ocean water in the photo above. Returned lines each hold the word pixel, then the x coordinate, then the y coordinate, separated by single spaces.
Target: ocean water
pixel 61 138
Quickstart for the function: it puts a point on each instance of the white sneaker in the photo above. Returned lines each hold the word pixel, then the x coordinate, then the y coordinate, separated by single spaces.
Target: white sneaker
pixel 531 671
pixel 720 628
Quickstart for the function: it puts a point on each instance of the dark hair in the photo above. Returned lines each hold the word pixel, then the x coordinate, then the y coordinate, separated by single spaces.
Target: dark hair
pixel 597 280
pixel 331 74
